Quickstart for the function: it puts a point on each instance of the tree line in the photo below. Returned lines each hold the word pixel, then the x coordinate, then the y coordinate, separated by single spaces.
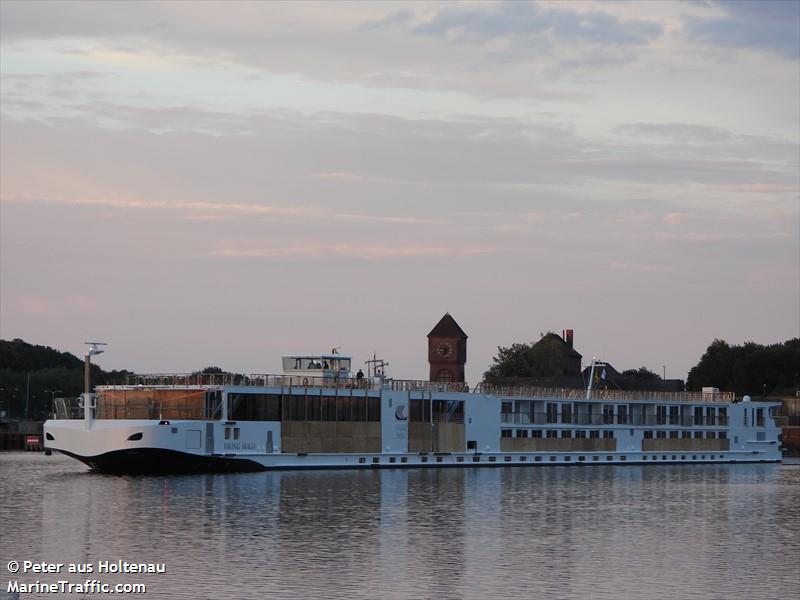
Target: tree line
pixel 749 368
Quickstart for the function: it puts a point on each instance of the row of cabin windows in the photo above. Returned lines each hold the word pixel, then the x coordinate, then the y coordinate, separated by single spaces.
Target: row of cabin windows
pixel 685 435
pixel 555 433
pixel 376 460
pixel 621 414
pixel 294 407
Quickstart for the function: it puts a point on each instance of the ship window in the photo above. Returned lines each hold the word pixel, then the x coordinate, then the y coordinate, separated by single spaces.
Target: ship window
pixel 698 435
pixel 424 459
pixel 581 458
pixel 392 459
pixel 227 433
pixel 686 435
pixel 694 456
pixel 537 459
pixel 537 433
pixel 552 433
pixel 698 415
pixel 608 434
pixel 566 433
pixel 522 433
pixel 683 457
pixel 759 417
pixel 134 437
pixel 507 458
pixel 375 460
pixel 566 413
pixel 492 459
pixel 661 434
pixel 506 433
pixel 403 459
pixel 648 435
pixel 362 460
pixel 710 435
pixel 438 459
pixel 595 458
pixel 472 445
pixel 673 435
pixel 552 459
pixel 523 458
pixel 622 414
pixel 343 409
pixel 644 458
pixel 723 435
pixel 580 434
pixel 459 459
pixel 594 434
pixel 568 458
pixel 476 459
pixel 609 458
pixel 373 409
pixel 236 433
pixel 257 407
pixel 552 412
pixel 623 458
pixel 327 408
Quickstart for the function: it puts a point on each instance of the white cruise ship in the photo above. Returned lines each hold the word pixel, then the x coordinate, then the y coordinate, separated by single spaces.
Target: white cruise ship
pixel 317 416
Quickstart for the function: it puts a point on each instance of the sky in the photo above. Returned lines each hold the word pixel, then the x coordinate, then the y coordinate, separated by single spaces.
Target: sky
pixel 221 184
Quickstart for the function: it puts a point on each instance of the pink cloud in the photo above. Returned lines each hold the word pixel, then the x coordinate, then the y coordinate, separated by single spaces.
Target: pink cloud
pixel 676 218
pixel 638 267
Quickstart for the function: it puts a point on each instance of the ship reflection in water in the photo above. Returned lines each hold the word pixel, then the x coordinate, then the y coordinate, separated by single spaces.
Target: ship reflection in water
pixel 700 531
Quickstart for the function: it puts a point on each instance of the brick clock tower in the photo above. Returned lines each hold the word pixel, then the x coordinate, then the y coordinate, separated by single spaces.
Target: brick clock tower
pixel 447 351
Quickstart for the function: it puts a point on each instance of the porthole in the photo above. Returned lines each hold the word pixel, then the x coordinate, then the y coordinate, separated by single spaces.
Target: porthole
pixel 134 437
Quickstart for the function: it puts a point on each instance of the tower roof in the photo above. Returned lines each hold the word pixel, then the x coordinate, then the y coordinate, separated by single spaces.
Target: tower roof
pixel 447 327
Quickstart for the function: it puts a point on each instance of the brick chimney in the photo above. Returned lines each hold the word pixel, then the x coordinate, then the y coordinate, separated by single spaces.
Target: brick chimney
pixel 568 337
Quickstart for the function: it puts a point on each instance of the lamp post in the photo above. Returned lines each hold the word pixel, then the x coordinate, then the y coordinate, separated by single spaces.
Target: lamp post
pixel 93 349
pixel 53 400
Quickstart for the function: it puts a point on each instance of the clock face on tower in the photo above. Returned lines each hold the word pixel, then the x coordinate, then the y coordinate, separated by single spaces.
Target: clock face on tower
pixel 445 349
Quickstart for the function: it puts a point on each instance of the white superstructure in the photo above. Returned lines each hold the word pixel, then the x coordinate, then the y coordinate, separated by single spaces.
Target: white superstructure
pixel 314 417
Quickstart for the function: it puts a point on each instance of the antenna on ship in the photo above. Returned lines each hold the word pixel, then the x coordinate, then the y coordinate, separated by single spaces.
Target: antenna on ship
pixel 376 366
pixel 93 349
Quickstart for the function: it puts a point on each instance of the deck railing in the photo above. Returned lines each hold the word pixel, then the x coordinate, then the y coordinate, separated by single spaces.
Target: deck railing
pixel 266 380
pixel 606 395
pixel 414 385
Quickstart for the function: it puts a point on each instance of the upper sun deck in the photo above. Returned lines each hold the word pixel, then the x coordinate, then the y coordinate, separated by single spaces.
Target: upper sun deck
pixel 328 381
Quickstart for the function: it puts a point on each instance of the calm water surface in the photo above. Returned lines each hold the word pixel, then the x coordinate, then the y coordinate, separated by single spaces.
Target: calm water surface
pixel 688 531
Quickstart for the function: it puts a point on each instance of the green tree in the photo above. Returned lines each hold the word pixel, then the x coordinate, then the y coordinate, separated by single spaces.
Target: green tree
pixel 749 368
pixel 641 374
pixel 535 360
